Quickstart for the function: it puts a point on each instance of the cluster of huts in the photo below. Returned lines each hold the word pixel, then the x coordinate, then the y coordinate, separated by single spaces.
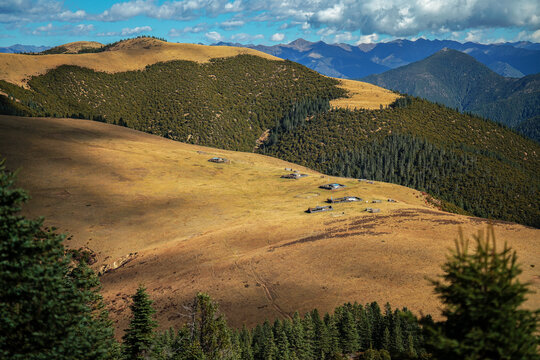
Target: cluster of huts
pixel 218 160
pixel 295 174
pixel 332 200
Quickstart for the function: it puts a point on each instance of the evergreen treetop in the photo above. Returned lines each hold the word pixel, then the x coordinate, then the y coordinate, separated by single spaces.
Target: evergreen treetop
pixel 483 300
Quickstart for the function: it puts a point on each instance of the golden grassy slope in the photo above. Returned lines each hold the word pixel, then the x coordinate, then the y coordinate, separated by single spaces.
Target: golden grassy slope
pixel 363 96
pixel 74 47
pixel 236 231
pixel 133 54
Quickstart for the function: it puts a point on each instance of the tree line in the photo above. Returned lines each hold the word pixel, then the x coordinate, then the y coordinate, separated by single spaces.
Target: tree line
pixel 469 163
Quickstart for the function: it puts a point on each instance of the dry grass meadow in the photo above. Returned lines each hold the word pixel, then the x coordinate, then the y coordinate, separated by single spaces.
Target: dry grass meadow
pixel 363 96
pixel 236 231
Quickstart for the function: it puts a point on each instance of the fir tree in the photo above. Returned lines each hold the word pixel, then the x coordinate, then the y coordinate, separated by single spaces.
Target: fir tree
pixel 138 336
pixel 333 336
pixel 348 332
pixel 49 309
pixel 246 351
pixel 483 301
pixel 209 328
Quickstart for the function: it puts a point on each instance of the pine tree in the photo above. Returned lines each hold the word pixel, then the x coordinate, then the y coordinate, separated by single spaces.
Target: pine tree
pixel 282 345
pixel 364 330
pixel 269 348
pixel 333 336
pixel 138 337
pixel 483 301
pixel 297 338
pixel 397 338
pixel 209 328
pixel 348 332
pixel 386 339
pixel 309 336
pixel 49 309
pixel 321 345
pixel 246 351
pixel 411 351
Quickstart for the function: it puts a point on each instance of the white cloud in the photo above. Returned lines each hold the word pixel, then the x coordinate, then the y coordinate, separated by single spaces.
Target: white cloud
pixel 74 30
pixel 243 37
pixel 188 30
pixel 535 36
pixel 175 10
pixel 368 39
pixel 135 30
pixel 331 15
pixel 384 17
pixel 109 33
pixel 277 37
pixel 82 29
pixel 528 36
pixel 72 16
pixel 214 36
pixel 127 10
pixel 344 37
pixel 234 6
pixel 40 30
pixel 231 24
pixel 473 36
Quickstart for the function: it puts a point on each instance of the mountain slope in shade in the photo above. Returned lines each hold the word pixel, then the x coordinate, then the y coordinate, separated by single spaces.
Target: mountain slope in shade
pixel 354 62
pixel 459 81
pixel 236 231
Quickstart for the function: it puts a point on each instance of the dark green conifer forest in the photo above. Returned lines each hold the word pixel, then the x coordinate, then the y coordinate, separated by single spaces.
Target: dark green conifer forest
pixel 475 166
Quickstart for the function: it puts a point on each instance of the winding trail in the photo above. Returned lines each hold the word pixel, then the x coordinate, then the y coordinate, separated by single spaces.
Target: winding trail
pixel 268 293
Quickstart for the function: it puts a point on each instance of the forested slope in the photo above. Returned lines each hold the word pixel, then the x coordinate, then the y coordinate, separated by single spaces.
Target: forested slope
pixel 484 168
pixel 226 103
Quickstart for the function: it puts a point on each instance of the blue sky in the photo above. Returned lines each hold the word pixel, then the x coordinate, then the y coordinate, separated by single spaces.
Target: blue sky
pixel 54 22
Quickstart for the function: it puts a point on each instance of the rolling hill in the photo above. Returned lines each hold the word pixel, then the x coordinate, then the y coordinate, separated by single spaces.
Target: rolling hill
pixel 130 55
pixel 280 108
pixel 73 48
pixel 235 230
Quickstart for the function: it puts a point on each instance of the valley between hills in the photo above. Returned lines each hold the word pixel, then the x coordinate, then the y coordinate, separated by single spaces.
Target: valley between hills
pixel 235 230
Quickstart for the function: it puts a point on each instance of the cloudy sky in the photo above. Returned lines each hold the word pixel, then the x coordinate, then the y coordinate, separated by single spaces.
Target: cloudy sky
pixel 53 22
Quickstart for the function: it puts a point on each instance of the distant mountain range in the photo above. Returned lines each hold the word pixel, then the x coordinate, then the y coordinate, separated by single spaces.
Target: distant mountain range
pixel 18 48
pixel 459 81
pixel 354 62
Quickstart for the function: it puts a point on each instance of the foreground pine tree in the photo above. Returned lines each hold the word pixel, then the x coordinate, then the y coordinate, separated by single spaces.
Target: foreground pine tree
pixel 139 336
pixel 50 308
pixel 483 305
